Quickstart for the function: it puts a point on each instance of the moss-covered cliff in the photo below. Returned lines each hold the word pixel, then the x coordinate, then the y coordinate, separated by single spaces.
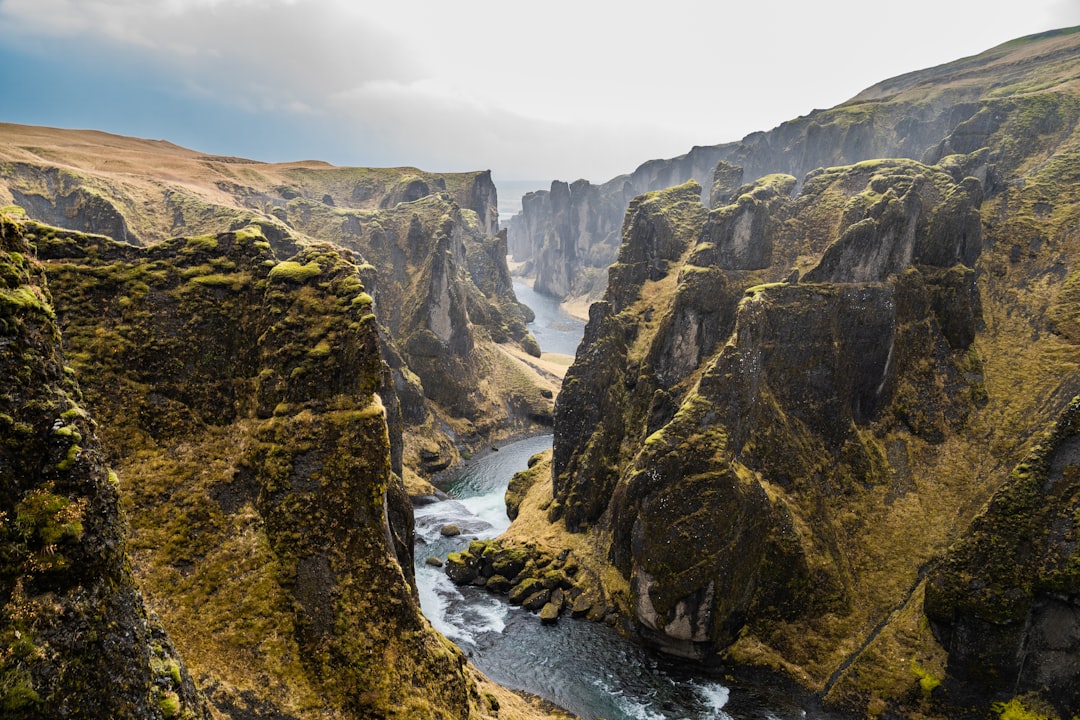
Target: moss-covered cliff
pixel 75 638
pixel 239 398
pixel 570 234
pixel 788 407
pixel 1003 601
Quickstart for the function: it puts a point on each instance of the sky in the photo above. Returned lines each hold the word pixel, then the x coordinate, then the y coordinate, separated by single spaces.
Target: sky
pixel 550 89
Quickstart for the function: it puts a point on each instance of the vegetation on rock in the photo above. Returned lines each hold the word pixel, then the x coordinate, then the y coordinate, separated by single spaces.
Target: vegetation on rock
pixel 787 408
pixel 432 260
pixel 72 621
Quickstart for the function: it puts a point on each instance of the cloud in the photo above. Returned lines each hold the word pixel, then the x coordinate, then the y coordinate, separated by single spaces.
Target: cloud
pixel 272 54
pixel 440 124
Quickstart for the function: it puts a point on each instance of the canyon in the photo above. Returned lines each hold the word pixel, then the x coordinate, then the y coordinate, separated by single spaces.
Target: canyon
pixel 822 425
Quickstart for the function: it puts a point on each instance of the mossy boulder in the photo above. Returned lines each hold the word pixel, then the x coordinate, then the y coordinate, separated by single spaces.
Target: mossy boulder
pixel 549 614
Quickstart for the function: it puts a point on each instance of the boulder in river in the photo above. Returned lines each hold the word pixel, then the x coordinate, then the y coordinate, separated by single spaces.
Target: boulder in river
pixel 549 614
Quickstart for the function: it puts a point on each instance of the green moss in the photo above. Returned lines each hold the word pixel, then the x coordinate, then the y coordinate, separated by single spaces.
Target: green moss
pixel 169 704
pixel 48 518
pixel 756 289
pixel 69 459
pixel 321 350
pixel 17 690
pixel 927 681
pixel 24 299
pixel 252 233
pixel 294 272
pixel 200 243
pixel 234 282
pixel 68 431
pixel 1016 709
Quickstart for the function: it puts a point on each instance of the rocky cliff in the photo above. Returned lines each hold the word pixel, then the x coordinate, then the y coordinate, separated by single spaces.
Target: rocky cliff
pixel 243 402
pixel 787 408
pixel 431 257
pixel 571 234
pixel 72 620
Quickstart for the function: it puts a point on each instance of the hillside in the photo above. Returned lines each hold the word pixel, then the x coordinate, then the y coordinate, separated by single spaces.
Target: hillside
pixel 254 440
pixel 568 236
pixel 430 254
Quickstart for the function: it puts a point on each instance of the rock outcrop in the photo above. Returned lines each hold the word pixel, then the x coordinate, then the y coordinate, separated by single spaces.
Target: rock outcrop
pixel 76 640
pixel 570 234
pixel 788 407
pixel 431 257
pixel 1005 601
pixel 729 393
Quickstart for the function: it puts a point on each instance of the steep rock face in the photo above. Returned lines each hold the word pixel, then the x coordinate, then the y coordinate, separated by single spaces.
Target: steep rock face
pixel 69 201
pixel 925 115
pixel 443 293
pixel 76 638
pixel 596 384
pixel 1005 601
pixel 242 399
pixel 835 383
pixel 727 426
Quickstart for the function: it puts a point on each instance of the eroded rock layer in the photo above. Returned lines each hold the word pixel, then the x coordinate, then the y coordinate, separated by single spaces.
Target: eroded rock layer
pixel 786 408
pixel 430 255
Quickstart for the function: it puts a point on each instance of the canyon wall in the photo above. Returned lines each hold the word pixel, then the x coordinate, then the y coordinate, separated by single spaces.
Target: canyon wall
pixel 788 409
pixel 569 235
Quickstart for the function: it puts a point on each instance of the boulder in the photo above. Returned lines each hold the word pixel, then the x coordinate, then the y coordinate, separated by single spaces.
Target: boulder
pixel 549 614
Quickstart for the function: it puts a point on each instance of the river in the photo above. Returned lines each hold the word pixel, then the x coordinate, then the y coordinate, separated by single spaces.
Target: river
pixel 556 330
pixel 584 667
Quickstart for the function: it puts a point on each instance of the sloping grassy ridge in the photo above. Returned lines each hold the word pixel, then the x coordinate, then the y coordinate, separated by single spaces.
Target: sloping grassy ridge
pixel 786 409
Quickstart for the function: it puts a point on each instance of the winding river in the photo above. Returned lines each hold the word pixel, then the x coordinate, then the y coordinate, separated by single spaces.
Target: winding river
pixel 584 667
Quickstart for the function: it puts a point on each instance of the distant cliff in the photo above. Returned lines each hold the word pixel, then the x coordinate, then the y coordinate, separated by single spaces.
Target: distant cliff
pixel 788 410
pixel 570 234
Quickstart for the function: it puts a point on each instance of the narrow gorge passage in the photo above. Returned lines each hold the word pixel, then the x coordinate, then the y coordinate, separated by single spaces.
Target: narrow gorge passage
pixel 584 667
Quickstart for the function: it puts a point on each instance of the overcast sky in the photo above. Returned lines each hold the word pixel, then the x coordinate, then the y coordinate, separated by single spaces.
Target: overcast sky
pixel 539 90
